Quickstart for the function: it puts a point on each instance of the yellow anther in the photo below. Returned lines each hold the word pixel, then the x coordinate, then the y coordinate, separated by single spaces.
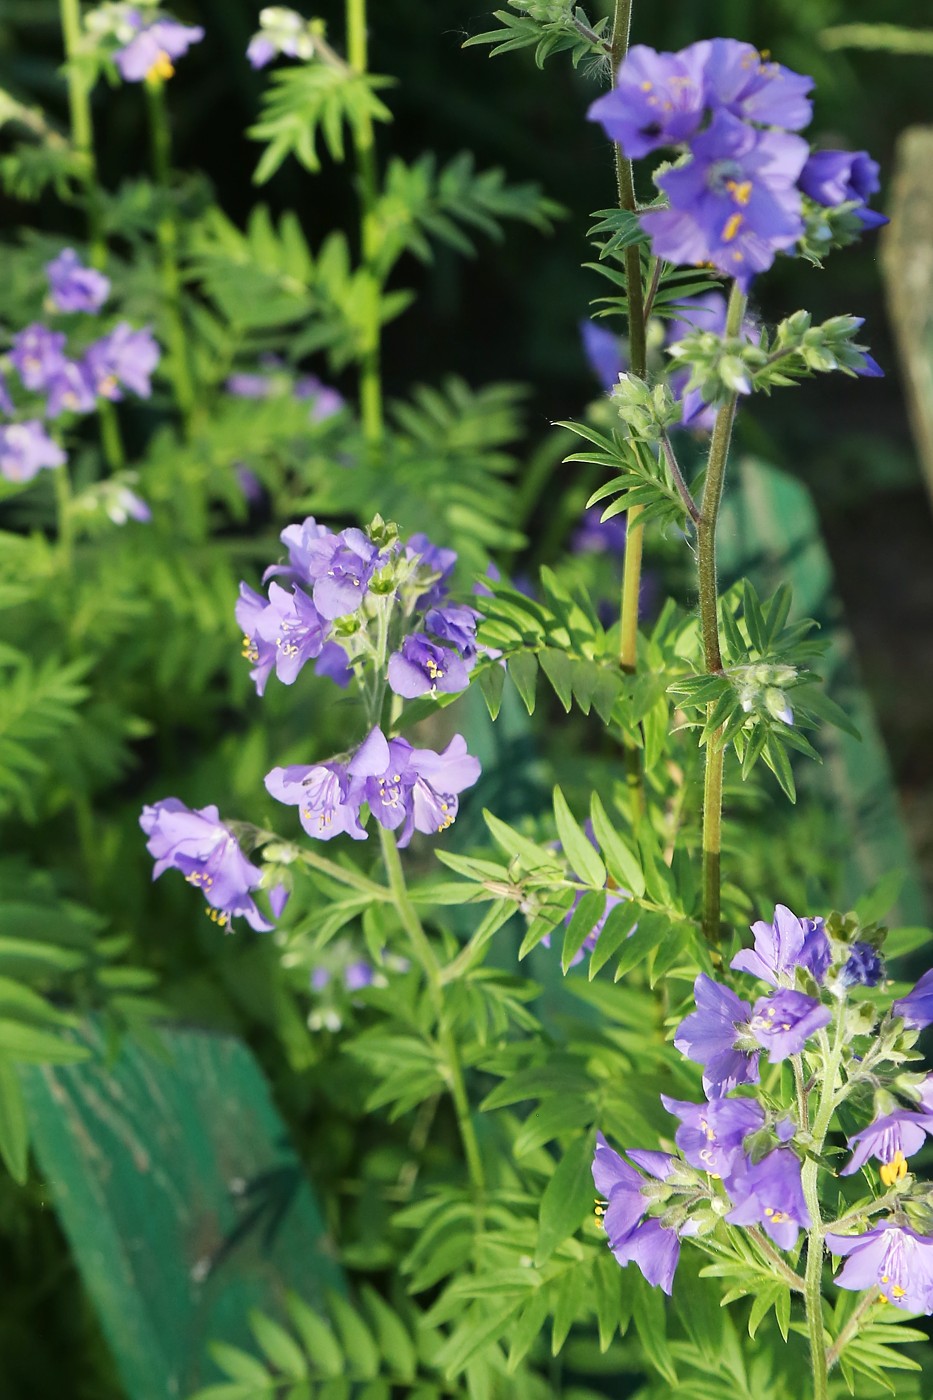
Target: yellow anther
pixel 108 384
pixel 646 86
pixel 162 69
pixel 898 1291
pixel 741 191
pixel 733 224
pixel 895 1170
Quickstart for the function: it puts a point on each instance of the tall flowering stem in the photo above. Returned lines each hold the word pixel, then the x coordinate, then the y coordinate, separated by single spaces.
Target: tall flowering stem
pixel 424 952
pixel 167 237
pixel 813 1291
pixel 709 621
pixel 370 377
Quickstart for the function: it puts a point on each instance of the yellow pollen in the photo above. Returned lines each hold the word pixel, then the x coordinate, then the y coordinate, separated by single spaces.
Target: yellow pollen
pixel 646 86
pixel 599 1211
pixel 250 650
pixel 741 191
pixel 885 1278
pixel 733 224
pixel 898 1291
pixel 895 1170
pixel 777 1217
pixel 108 384
pixel 162 69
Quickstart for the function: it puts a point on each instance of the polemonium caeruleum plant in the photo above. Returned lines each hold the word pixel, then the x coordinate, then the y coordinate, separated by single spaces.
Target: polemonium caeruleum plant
pixel 731 1105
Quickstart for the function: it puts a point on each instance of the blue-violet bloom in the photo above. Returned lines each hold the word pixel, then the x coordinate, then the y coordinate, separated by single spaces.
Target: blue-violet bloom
pixel 25 448
pixel 783 1022
pixel 632 1238
pixel 69 391
pixel 864 967
pixel 292 624
pixel 738 79
pixel 659 100
pixel 207 853
pixel 840 177
pixel 890 1139
pixel 917 1006
pixel 327 799
pixel 38 354
pixel 421 667
pixel 784 945
pixel 74 287
pixel 125 357
pixel 148 55
pixel 711 1134
pixel 892 1258
pixel 770 1193
pixel 710 1036
pixel 603 351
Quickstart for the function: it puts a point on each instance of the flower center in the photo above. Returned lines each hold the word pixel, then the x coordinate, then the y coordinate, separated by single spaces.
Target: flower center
pixel 162 69
pixel 895 1170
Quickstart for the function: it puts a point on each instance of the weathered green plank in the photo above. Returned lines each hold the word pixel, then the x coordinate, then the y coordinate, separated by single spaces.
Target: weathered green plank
pixel 770 531
pixel 182 1198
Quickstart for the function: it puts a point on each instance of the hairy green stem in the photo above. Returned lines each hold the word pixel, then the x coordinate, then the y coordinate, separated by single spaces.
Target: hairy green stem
pixel 167 239
pixel 708 587
pixel 371 350
pixel 793 1281
pixel 447 1042
pixel 813 1291
pixel 868 1300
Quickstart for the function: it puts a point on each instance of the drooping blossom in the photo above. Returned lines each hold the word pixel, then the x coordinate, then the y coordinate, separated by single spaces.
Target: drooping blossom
pixel 74 287
pixel 260 653
pixel 421 667
pixel 735 203
pixel 25 448
pixel 784 945
pixel 740 80
pixel 711 1036
pixel 291 624
pixel 433 560
pixel 38 354
pixel 783 1022
pixel 860 362
pixel 340 568
pixel 124 358
pixel 299 541
pixel 69 391
pixel 864 966
pixel 917 1006
pixel 890 1257
pixel 327 799
pixel 890 1139
pixel 157 41
pixel 832 178
pixel 632 1237
pixel 455 624
pixel 282 31
pixel 207 853
pixel 711 1134
pixel 334 663
pixel 770 1193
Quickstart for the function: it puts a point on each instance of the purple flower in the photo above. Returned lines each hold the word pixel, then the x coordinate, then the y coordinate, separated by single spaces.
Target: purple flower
pixel 357 975
pixel 603 350
pixel 710 1036
pixel 770 1193
pixel 261 654
pixel 455 624
pixel 783 946
pixel 658 100
pixel 299 541
pixel 784 1022
pixel 917 1006
pixel 293 626
pixel 325 402
pixel 124 357
pixel 260 51
pixel 283 32
pixel 423 668
pixel 840 177
pixel 739 80
pixel 206 852
pixel 123 505
pixel 735 203
pixel 711 1134
pixel 415 789
pixel 432 559
pixel 279 895
pixel 340 567
pixel 890 1257
pixel 890 1139
pixel 249 386
pixel 74 287
pixel 632 1238
pixel 6 403
pixel 328 801
pixel 596 536
pixel 38 355
pixel 334 663
pixel 70 391
pixel 25 448
pixel 863 967
pixel 148 56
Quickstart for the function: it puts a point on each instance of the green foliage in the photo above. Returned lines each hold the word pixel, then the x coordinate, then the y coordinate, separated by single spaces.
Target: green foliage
pixel 315 100
pixel 549 27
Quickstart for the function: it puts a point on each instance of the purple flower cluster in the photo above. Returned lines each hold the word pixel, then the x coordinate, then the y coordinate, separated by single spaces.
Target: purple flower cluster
pixel 273 380
pixel 123 359
pixel 150 43
pixel 207 853
pixel 406 789
pixel 736 199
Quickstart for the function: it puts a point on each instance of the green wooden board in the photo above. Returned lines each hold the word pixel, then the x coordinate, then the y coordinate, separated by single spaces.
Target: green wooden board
pixel 770 531
pixel 182 1198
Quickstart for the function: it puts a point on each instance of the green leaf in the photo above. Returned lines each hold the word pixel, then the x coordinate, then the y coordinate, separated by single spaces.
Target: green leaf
pixel 650 1323
pixel 280 1348
pixel 577 848
pixel 567 1198
pixel 317 1338
pixel 361 1351
pixel 624 867
pixel 523 668
pixel 239 1365
pixel 881 900
pixel 558 668
pixel 395 1344
pixel 14 1128
pixel 620 921
pixel 491 683
pixel 27 1044
pixel 585 917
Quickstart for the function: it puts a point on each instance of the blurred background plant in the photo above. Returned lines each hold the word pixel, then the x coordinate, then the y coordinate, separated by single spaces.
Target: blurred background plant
pixel 120 674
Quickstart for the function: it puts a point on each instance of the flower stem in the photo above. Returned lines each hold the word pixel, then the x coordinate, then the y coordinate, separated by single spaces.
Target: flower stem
pixel 167 239
pixel 370 352
pixel 63 513
pixel 868 1300
pixel 424 952
pixel 709 622
pixel 82 130
pixel 813 1291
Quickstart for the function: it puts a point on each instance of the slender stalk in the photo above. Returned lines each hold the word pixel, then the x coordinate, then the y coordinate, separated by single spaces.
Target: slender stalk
pixel 167 239
pixel 631 575
pixel 813 1291
pixel 63 513
pixel 793 1280
pixel 709 622
pixel 370 358
pixel 424 952
pixel 82 131
pixel 683 490
pixel 868 1300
